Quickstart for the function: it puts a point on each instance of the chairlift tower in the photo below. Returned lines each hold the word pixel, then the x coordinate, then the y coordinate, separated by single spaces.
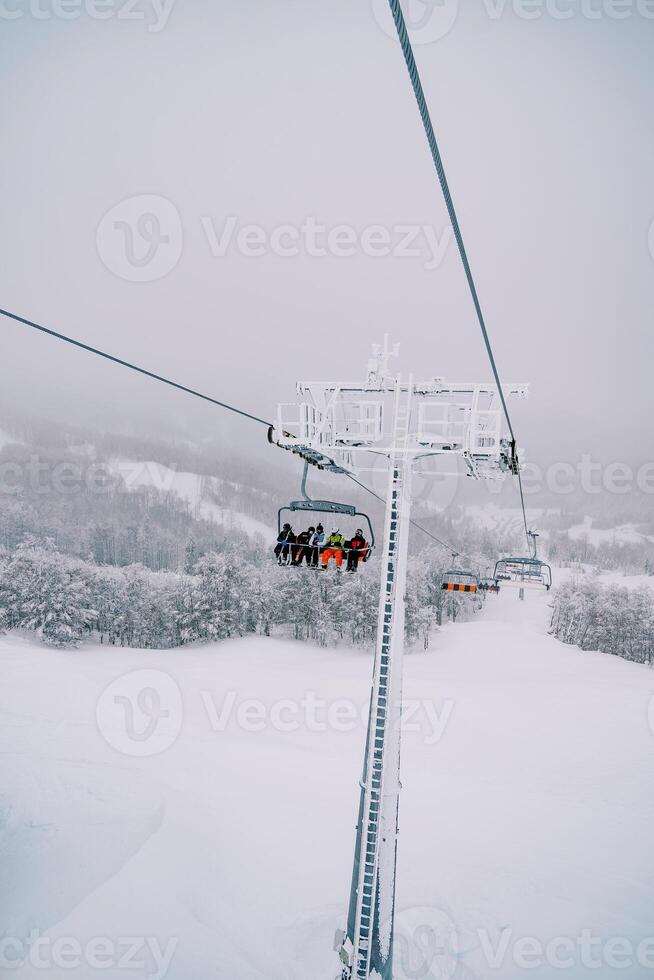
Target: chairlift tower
pixel 331 426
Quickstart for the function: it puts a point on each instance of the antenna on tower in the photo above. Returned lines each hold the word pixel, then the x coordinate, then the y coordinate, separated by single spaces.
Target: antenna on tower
pixel 378 370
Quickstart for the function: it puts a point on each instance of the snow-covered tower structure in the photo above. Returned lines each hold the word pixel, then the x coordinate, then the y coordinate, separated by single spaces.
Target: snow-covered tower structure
pixel 405 421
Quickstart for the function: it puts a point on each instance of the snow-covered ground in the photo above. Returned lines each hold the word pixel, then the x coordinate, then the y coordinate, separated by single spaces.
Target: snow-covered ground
pixel 526 815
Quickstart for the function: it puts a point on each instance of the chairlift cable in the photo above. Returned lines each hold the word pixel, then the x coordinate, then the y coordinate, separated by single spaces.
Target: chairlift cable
pixel 133 367
pixel 522 503
pixel 214 401
pixel 453 552
pixel 180 387
pixel 414 75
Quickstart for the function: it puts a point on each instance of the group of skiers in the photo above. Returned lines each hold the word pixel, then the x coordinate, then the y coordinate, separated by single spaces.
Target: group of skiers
pixel 317 549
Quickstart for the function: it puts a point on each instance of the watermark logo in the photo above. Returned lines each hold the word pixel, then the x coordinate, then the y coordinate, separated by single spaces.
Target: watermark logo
pixel 436 488
pixel 317 715
pixel 141 238
pixel 141 713
pixel 567 10
pixel 426 945
pixel 313 239
pixel 426 20
pixel 154 13
pixel 431 20
pixel 143 956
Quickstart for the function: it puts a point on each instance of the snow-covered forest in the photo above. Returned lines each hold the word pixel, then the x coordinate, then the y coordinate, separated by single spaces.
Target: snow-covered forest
pixel 609 618
pixel 614 554
pixel 142 543
pixel 224 594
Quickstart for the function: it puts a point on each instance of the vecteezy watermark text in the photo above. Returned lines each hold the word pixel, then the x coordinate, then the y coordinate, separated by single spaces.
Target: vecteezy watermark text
pixel 141 239
pixel 431 20
pixel 140 955
pixel 569 9
pixel 141 713
pixel 564 10
pixel 314 239
pixel 42 476
pixel 68 477
pixel 318 715
pixel 586 950
pixel 428 947
pixel 589 476
pixel 154 13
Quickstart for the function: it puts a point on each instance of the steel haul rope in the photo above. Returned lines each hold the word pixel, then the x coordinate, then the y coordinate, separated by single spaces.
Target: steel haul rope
pixel 132 367
pixel 180 387
pixel 414 75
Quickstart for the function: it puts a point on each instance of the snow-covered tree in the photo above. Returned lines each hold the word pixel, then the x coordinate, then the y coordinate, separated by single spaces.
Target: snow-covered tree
pixel 47 592
pixel 608 618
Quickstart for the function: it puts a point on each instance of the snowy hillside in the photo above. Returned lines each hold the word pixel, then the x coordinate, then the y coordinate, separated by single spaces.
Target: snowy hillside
pixel 624 534
pixel 119 500
pixel 526 811
pixel 504 521
pixel 201 493
pixel 582 573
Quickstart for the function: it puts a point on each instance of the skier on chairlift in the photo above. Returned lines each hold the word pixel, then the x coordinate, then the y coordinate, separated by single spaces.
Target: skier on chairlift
pixel 302 548
pixel 357 551
pixel 285 539
pixel 317 543
pixel 334 547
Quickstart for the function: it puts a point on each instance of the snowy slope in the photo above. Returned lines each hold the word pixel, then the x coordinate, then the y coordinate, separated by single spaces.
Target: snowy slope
pixel 194 489
pixel 507 521
pixel 530 815
pixel 627 581
pixel 624 534
pixel 504 521
pixel 582 572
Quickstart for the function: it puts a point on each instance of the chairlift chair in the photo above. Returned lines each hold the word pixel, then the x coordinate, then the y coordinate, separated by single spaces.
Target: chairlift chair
pixel 531 573
pixel 524 573
pixel 326 507
pixel 456 580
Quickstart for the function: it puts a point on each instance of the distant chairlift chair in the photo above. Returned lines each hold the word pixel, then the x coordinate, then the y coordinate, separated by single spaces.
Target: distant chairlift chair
pixel 455 580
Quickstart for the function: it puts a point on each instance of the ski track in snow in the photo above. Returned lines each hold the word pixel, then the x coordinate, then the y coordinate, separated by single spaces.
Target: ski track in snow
pixel 533 812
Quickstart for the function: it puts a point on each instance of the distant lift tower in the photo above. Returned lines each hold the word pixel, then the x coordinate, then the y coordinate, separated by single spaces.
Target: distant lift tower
pixel 330 427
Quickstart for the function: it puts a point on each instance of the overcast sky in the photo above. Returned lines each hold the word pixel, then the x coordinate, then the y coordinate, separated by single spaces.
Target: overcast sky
pixel 214 115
